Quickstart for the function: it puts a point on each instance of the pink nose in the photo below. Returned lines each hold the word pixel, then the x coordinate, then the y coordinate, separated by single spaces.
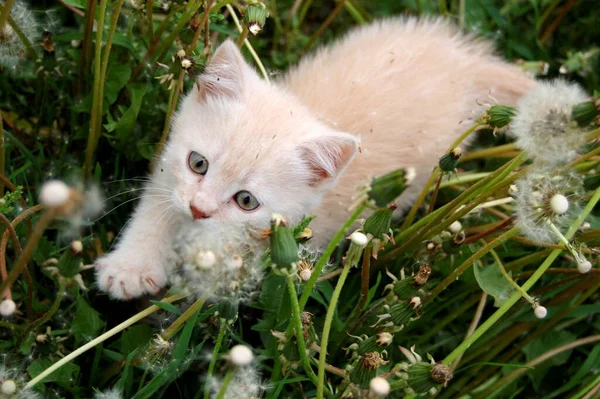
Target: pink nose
pixel 197 213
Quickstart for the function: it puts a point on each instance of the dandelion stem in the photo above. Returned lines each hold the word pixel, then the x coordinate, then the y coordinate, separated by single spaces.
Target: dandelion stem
pixel 489 152
pixel 415 208
pixel 259 63
pixel 456 273
pixel 48 315
pixel 132 320
pixel 5 13
pixel 326 255
pixel 172 329
pixel 327 328
pixel 297 325
pixel 436 189
pixel 226 382
pixel 213 359
pixel 474 323
pixel 466 134
pixel 243 37
pixel 2 153
pixel 526 286
pixel 27 251
pixel 510 280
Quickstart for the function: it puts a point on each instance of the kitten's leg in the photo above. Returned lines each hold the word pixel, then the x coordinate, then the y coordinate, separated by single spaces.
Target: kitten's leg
pixel 143 255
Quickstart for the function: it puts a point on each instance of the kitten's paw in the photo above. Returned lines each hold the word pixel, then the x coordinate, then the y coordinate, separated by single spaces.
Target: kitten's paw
pixel 125 277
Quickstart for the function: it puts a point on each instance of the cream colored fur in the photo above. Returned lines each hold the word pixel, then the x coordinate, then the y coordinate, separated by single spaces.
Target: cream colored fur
pixel 404 87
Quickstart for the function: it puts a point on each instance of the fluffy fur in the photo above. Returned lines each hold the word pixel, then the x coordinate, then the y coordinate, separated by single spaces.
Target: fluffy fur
pixel 402 86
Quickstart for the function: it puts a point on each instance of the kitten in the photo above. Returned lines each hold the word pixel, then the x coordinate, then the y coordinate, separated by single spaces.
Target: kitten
pixel 242 149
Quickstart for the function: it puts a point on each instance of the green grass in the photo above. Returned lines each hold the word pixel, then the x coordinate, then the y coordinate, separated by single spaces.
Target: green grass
pixel 84 104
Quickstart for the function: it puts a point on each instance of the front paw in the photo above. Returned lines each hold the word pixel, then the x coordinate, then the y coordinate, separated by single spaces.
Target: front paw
pixel 128 275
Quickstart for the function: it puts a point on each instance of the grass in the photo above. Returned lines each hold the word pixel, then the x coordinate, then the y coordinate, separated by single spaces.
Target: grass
pixel 93 105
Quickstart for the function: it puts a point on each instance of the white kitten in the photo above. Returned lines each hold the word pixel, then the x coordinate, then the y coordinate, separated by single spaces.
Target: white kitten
pixel 241 149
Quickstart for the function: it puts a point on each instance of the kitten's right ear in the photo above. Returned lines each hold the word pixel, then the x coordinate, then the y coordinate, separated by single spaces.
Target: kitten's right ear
pixel 225 74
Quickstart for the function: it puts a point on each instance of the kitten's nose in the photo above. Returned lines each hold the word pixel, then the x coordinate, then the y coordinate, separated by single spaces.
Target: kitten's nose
pixel 197 213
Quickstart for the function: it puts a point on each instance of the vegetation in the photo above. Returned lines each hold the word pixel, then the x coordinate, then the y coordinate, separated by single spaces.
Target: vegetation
pixel 492 272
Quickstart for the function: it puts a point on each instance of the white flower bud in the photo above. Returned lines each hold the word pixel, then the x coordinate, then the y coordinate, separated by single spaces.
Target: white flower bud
pixel 584 266
pixel 7 307
pixel 559 204
pixel 206 259
pixel 255 29
pixel 54 193
pixel 181 53
pixel 540 312
pixel 455 227
pixel 75 43
pixel 305 274
pixel 379 386
pixel 241 355
pixel 77 247
pixel 186 63
pixel 9 387
pixel 359 239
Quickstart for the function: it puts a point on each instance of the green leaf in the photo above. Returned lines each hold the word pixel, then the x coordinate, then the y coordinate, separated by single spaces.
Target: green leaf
pixel 134 337
pixel 169 307
pixel 87 322
pixel 491 280
pixel 549 340
pixel 63 375
pixel 126 123
pixel 117 76
pixel 76 3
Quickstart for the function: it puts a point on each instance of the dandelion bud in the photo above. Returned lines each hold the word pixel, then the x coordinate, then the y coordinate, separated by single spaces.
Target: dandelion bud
pixel 7 307
pixel 539 311
pixel 359 239
pixel 559 204
pixel 284 250
pixel 366 368
pixel 422 377
pixel 305 235
pixel 499 115
pixel 205 259
pixel 379 387
pixel 181 54
pixel 255 17
pixel 55 194
pixel 379 223
pixel 9 387
pixel 77 247
pixel 441 373
pixel 449 162
pixel 455 227
pixel 584 266
pixel 240 356
pixel 409 287
pixel 384 338
pixel 375 343
pixel 386 188
pixel 358 242
pixel 585 113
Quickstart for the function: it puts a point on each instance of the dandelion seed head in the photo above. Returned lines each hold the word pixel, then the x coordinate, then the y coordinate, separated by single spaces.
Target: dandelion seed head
pixel 7 307
pixel 11 46
pixel 245 384
pixel 9 387
pixel 543 125
pixel 379 386
pixel 112 393
pixel 541 198
pixel 223 263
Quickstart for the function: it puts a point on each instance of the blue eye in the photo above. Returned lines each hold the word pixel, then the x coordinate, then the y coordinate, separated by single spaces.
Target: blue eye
pixel 246 201
pixel 198 163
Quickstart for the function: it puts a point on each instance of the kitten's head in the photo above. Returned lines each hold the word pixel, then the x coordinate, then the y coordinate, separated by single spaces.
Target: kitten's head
pixel 242 149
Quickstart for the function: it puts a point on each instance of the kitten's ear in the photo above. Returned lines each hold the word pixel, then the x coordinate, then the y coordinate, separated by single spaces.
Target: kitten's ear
pixel 225 75
pixel 327 155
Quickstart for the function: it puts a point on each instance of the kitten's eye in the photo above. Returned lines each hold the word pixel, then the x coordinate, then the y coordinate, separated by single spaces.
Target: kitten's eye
pixel 246 201
pixel 198 163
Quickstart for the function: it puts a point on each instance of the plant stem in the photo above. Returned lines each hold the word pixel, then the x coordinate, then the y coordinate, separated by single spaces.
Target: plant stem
pixel 415 208
pixel 226 382
pixel 327 254
pixel 97 101
pixel 436 189
pixel 48 315
pixel 528 284
pixel 5 13
pixel 213 359
pixel 149 12
pixel 28 250
pixel 489 152
pixel 466 134
pixel 327 328
pixel 456 273
pixel 259 63
pixel 243 36
pixel 509 279
pixel 473 325
pixel 132 320
pixel 2 159
pixel 172 329
pixel 324 25
pixel 297 325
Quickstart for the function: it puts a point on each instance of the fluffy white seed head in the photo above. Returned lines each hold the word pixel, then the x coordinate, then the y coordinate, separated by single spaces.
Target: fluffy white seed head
pixel 7 307
pixel 543 125
pixel 540 312
pixel 379 386
pixel 359 239
pixel 584 266
pixel 559 204
pixel 9 387
pixel 241 355
pixel 54 193
pixel 455 227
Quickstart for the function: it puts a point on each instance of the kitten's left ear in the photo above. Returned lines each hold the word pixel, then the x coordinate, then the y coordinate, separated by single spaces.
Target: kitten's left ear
pixel 327 155
pixel 226 75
